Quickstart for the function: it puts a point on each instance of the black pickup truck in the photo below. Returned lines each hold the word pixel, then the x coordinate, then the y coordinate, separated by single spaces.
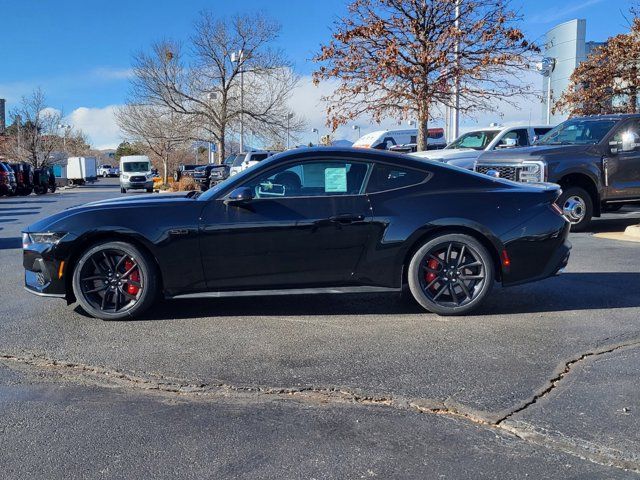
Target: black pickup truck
pixel 206 176
pixel 596 161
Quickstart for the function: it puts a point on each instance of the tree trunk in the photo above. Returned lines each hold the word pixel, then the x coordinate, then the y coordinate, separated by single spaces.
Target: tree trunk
pixel 423 127
pixel 220 148
pixel 165 167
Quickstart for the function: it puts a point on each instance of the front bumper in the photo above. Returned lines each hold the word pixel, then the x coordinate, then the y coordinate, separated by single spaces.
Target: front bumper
pixel 44 273
pixel 137 185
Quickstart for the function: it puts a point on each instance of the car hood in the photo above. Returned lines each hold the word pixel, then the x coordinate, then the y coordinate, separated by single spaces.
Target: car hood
pixel 163 199
pixel 536 152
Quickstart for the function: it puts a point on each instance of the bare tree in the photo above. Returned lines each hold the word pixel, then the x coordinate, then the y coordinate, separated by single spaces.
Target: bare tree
pixel 212 83
pixel 35 136
pixel 398 58
pixel 161 130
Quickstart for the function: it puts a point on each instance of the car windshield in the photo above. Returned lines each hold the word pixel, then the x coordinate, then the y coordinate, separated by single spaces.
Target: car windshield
pixel 229 160
pixel 136 167
pixel 478 140
pixel 239 159
pixel 578 132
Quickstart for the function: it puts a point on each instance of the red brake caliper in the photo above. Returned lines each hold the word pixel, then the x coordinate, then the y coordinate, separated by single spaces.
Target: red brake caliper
pixel 134 276
pixel 430 277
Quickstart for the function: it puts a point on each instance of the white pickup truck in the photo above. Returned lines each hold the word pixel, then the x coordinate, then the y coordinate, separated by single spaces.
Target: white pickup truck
pixel 465 150
pixel 107 170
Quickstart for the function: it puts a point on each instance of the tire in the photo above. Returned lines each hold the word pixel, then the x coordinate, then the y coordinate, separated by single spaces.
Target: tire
pixel 40 190
pixel 149 190
pixel 123 190
pixel 104 175
pixel 53 188
pixel 431 281
pixel 91 302
pixel 579 202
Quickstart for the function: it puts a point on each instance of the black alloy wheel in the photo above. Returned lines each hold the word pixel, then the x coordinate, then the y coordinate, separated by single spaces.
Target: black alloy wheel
pixel 115 281
pixel 451 274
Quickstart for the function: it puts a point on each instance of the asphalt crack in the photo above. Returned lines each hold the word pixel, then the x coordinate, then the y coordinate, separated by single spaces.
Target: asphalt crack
pixel 150 382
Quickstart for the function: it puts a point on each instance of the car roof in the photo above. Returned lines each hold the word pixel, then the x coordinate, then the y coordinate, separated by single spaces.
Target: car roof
pixel 612 116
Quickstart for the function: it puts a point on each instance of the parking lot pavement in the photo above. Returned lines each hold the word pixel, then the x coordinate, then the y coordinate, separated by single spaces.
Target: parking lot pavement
pixel 71 430
pixel 482 367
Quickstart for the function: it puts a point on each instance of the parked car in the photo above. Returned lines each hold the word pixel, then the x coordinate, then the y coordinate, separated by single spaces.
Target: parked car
pixel 386 139
pixel 404 148
pixel 466 149
pixel 8 183
pixel 207 176
pixel 107 170
pixel 42 178
pixel 136 173
pixel 24 178
pixel 249 159
pixel 596 161
pixel 184 171
pixel 306 221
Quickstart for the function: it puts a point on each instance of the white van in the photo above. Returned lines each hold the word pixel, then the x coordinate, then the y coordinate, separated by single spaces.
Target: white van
pixel 135 173
pixel 385 139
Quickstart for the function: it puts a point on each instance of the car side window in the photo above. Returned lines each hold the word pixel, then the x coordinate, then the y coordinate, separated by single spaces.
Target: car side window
pixel 520 136
pixel 628 133
pixel 389 177
pixel 311 179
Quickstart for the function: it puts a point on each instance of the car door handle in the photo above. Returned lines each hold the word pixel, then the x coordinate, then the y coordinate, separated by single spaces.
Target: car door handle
pixel 346 218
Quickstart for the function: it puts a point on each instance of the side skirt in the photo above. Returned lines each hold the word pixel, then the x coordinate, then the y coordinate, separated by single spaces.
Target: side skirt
pixel 291 291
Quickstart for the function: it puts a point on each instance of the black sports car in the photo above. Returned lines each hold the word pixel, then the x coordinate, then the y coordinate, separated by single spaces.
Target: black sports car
pixel 311 220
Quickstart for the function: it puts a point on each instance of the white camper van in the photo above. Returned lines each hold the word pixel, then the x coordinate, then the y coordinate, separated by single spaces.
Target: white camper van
pixel 135 173
pixel 385 139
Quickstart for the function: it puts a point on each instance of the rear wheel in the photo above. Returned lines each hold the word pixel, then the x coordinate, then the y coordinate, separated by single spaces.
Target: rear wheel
pixel 577 206
pixel 451 274
pixel 115 281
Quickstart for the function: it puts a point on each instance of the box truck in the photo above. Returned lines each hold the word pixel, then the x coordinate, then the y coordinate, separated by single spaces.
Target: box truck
pixel 81 170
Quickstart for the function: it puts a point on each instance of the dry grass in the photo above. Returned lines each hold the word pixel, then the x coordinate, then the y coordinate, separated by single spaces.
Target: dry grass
pixel 186 184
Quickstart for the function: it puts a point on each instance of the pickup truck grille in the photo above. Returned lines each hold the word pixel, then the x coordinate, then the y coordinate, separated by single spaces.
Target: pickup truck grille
pixel 138 179
pixel 510 172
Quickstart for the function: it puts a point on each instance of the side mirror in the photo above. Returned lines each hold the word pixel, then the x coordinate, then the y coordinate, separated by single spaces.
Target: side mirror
pixel 239 196
pixel 628 143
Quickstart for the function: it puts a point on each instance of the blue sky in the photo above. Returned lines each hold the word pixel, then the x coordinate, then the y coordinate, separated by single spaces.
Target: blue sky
pixel 79 51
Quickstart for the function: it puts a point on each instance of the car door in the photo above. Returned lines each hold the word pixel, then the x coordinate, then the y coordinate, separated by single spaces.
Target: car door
pixel 307 226
pixel 622 172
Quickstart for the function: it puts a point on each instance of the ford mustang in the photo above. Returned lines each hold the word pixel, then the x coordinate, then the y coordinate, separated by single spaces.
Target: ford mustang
pixel 305 221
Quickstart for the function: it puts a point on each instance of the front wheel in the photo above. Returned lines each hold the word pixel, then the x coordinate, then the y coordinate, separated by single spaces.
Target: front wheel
pixel 451 274
pixel 115 281
pixel 123 190
pixel 577 206
pixel 149 190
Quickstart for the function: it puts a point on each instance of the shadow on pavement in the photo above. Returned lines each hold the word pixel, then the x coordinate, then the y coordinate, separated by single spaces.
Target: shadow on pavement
pixel 612 224
pixel 571 291
pixel 10 243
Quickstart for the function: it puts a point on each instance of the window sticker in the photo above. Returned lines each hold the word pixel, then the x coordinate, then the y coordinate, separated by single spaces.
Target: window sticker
pixel 335 180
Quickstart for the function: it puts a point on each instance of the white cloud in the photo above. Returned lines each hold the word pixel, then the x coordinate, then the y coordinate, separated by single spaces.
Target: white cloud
pixel 99 124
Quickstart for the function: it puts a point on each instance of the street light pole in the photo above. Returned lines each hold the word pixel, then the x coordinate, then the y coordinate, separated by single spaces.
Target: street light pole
pixel 356 127
pixel 289 117
pixel 316 131
pixel 64 136
pixel 239 57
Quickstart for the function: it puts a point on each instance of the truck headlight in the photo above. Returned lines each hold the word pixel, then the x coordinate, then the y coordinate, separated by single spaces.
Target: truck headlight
pixel 532 172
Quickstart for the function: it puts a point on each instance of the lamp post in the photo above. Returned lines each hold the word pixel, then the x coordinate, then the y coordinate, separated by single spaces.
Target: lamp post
pixel 211 96
pixel 357 127
pixel 289 117
pixel 317 132
pixel 240 58
pixel 545 68
pixel 64 137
